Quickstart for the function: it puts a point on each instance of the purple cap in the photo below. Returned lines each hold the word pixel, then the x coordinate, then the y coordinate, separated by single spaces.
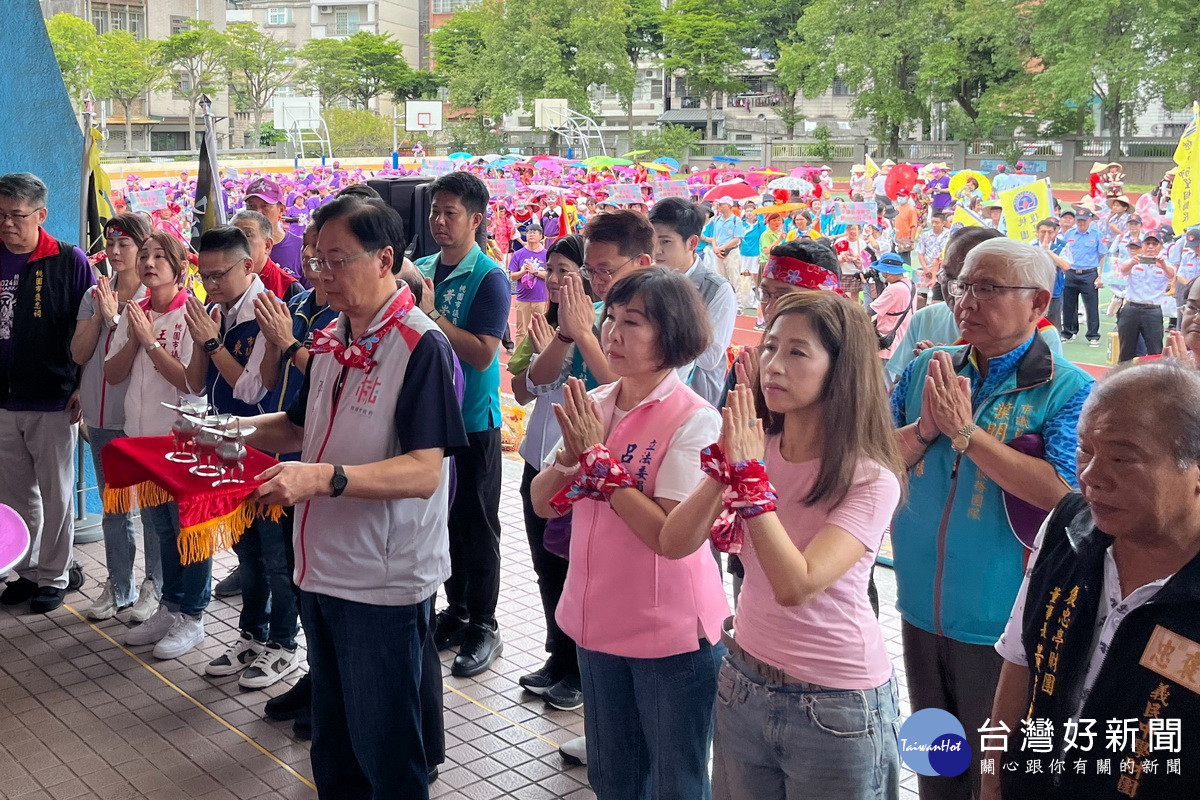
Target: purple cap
pixel 265 188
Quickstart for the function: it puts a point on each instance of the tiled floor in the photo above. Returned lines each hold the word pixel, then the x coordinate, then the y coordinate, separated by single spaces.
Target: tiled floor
pixel 83 717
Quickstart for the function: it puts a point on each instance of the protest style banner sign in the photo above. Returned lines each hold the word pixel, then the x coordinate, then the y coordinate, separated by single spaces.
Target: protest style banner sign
pixel 855 214
pixel 1024 207
pixel 501 187
pixel 670 189
pixel 626 193
pixel 148 201
pixel 437 167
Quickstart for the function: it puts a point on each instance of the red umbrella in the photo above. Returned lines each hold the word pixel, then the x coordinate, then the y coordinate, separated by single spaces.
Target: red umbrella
pixel 737 190
pixel 901 178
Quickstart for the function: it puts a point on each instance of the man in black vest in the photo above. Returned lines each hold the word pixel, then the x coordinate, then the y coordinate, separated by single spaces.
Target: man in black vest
pixel 1102 652
pixel 42 282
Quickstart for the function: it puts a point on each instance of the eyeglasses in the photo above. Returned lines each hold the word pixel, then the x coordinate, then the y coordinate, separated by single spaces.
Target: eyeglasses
pixel 982 291
pixel 607 274
pixel 216 277
pixel 5 217
pixel 1192 307
pixel 335 264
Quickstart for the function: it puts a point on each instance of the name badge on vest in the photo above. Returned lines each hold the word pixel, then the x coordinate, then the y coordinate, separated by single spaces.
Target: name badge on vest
pixel 1174 657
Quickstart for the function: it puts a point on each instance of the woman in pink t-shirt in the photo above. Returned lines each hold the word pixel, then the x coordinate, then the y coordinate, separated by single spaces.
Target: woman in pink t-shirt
pixel 807 702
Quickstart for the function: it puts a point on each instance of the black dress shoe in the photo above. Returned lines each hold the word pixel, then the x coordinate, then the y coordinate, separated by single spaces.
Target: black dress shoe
pixel 448 631
pixel 480 648
pixel 302 728
pixel 565 695
pixel 539 682
pixel 47 599
pixel 293 702
pixel 75 577
pixel 433 773
pixel 18 591
pixel 229 586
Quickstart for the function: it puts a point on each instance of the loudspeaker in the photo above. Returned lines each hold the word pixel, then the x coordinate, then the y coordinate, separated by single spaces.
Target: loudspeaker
pixel 409 195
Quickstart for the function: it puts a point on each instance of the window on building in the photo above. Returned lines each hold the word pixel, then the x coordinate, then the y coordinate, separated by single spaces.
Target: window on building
pixel 178 25
pixel 100 19
pixel 183 84
pixel 118 20
pixel 443 6
pixel 279 16
pixel 840 89
pixel 345 22
pixel 137 24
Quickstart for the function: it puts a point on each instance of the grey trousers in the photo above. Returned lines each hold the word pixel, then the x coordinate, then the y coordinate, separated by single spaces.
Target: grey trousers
pixel 37 477
pixel 957 677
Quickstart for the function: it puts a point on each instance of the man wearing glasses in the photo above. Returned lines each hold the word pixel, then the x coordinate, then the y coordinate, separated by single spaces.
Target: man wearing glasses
pixel 42 282
pixel 988 430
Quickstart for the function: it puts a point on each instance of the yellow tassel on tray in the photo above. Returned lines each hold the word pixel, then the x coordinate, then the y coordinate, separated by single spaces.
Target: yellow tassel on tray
pixel 120 501
pixel 205 540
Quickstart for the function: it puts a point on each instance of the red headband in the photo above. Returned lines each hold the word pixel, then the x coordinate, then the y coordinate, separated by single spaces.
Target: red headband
pixel 801 273
pixel 116 232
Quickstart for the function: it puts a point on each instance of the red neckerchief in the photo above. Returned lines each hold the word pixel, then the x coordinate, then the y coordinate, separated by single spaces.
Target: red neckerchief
pixel 358 353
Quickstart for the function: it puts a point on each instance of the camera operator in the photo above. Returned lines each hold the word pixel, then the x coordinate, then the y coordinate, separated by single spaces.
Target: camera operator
pixel 892 309
pixel 1149 277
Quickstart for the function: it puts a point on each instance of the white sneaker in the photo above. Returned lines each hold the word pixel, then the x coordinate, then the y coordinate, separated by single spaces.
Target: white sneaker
pixel 239 656
pixel 105 606
pixel 153 629
pixel 143 608
pixel 186 633
pixel 574 751
pixel 273 664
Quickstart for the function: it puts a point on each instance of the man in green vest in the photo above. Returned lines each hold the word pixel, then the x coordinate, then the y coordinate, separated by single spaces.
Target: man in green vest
pixel 468 296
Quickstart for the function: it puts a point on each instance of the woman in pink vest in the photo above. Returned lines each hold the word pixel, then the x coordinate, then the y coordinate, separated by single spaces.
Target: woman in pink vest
pixel 648 626
pixel 807 703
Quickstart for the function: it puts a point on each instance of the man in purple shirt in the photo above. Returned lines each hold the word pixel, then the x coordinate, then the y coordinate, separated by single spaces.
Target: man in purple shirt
pixel 266 197
pixel 527 271
pixel 42 283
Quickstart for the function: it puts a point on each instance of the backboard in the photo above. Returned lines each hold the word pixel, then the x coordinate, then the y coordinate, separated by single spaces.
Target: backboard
pixel 423 116
pixel 550 113
pixel 301 112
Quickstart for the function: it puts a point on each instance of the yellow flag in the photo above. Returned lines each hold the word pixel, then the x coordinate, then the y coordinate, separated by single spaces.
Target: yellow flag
pixel 1185 189
pixel 1024 207
pixel 872 167
pixel 964 218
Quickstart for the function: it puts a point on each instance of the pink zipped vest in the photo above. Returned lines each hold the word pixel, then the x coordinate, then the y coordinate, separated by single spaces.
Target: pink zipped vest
pixel 620 597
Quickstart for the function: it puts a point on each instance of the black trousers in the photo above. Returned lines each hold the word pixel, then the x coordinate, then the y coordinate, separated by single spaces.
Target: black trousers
pixel 433 723
pixel 551 573
pixel 1081 285
pixel 1137 319
pixel 1054 312
pixel 474 585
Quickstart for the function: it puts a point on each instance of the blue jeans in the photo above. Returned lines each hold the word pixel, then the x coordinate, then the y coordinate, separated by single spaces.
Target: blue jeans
pixel 804 740
pixel 269 612
pixel 187 588
pixel 365 663
pixel 649 723
pixel 120 547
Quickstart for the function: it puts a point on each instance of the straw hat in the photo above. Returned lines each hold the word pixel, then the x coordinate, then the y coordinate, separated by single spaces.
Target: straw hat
pixel 1097 167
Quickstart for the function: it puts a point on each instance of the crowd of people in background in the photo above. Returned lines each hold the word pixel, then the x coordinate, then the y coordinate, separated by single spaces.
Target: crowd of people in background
pixel 923 396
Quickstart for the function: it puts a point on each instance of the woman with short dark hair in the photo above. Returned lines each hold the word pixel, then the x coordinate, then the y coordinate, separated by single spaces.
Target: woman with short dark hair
pixel 647 626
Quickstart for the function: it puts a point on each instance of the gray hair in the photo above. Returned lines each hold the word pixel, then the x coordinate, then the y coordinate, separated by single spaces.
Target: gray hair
pixel 1170 388
pixel 23 186
pixel 264 224
pixel 1030 266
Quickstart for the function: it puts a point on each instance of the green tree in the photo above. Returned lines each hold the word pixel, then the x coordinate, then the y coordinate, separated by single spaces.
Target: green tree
pixel 376 65
pixel 669 140
pixel 1178 78
pixel 77 49
pixel 258 66
pixel 128 68
pixel 357 132
pixel 772 29
pixel 978 61
pixel 643 38
pixel 701 39
pixel 326 69
pixel 472 70
pixel 1109 49
pixel 876 47
pixel 197 53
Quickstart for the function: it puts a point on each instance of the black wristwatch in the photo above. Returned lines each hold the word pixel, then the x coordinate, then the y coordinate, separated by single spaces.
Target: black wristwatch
pixel 338 481
pixel 212 345
pixel 291 351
